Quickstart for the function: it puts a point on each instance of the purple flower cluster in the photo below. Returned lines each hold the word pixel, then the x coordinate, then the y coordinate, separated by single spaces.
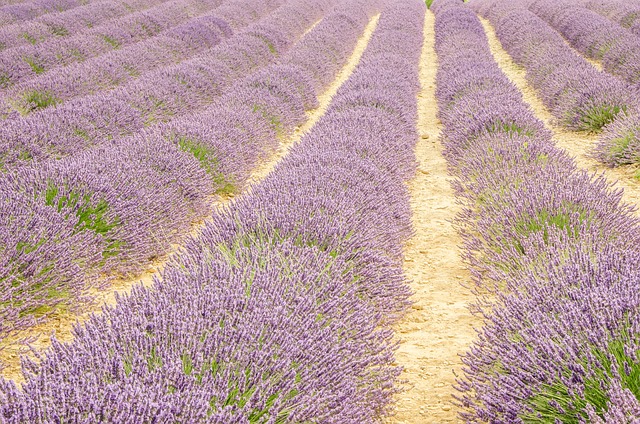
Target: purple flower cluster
pixel 624 13
pixel 280 310
pixel 33 59
pixel 620 142
pixel 130 200
pixel 617 48
pixel 69 22
pixel 23 11
pixel 118 67
pixel 579 96
pixel 162 94
pixel 554 248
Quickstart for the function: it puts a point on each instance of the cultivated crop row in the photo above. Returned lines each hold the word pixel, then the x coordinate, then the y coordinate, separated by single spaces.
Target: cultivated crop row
pixel 552 247
pixel 624 13
pixel 32 60
pixel 116 68
pixel 114 207
pixel 617 48
pixel 578 95
pixel 70 22
pixel 22 11
pixel 280 310
pixel 161 95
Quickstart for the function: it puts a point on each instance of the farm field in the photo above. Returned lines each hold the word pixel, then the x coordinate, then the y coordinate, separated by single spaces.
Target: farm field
pixel 320 211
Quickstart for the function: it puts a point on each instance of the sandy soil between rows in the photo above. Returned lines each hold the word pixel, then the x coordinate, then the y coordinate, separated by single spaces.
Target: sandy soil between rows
pixel 577 144
pixel 439 327
pixel 62 324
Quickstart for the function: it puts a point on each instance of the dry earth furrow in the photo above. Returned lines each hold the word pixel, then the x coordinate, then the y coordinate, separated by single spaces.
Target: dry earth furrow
pixel 62 324
pixel 577 144
pixel 439 326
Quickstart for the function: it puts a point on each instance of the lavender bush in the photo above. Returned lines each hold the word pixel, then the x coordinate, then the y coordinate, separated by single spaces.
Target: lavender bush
pixel 115 68
pixel 33 59
pixel 68 23
pixel 20 11
pixel 617 48
pixel 280 310
pixel 186 160
pixel 579 96
pixel 554 246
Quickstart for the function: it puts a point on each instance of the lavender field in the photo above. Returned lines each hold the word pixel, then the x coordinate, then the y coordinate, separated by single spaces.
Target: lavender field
pixel 320 211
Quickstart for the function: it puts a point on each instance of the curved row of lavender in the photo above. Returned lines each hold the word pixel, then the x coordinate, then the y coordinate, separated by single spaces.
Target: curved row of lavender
pixel 115 68
pixel 578 95
pixel 161 95
pixel 20 11
pixel 623 13
pixel 553 249
pixel 29 61
pixel 281 310
pixel 617 48
pixel 69 22
pixel 113 208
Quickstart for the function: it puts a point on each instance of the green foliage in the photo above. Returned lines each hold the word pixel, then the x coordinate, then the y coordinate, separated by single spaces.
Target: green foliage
pixel 429 2
pixel 619 145
pixel 111 41
pixel 35 66
pixel 92 216
pixel 556 402
pixel 509 128
pixel 544 220
pixel 5 80
pixel 595 118
pixel 209 161
pixel 35 100
pixel 30 38
pixel 59 30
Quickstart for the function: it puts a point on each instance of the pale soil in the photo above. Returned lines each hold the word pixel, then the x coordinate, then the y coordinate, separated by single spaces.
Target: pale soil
pixel 62 324
pixel 577 144
pixel 439 326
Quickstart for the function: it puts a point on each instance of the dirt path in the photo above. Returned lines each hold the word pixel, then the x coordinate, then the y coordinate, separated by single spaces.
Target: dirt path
pixel 62 324
pixel 439 326
pixel 577 144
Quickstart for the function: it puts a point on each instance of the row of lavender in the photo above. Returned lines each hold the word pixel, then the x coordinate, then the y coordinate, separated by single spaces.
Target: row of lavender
pixel 580 97
pixel 69 22
pixel 553 249
pixel 280 310
pixel 161 95
pixel 618 49
pixel 20 11
pixel 599 38
pixel 624 13
pixel 118 67
pixel 114 207
pixel 30 61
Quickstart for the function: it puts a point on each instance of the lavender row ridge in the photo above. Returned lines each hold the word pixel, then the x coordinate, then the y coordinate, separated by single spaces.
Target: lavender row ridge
pixel 12 12
pixel 554 247
pixel 177 167
pixel 163 94
pixel 287 311
pixel 31 60
pixel 68 23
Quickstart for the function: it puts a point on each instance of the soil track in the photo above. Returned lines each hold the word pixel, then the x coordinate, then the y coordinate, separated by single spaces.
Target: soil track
pixel 439 326
pixel 62 324
pixel 577 144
